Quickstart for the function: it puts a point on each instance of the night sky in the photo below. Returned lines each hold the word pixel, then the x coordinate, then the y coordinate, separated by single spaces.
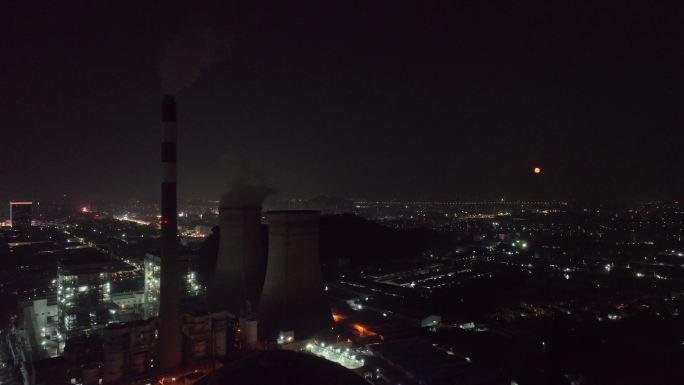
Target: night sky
pixel 424 100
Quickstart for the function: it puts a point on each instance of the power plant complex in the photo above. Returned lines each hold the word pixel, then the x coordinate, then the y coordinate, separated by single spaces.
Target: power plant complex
pixel 169 314
pixel 253 301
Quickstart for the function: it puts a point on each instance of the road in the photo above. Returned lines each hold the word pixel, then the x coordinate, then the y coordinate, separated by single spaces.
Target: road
pixel 8 373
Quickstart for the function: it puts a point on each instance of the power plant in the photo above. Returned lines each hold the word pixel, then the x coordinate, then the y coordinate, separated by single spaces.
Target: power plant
pixel 239 271
pixel 292 299
pixel 283 295
pixel 170 340
pixel 253 301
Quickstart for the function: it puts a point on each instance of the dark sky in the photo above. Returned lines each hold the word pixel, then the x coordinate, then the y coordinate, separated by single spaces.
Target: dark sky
pixel 377 99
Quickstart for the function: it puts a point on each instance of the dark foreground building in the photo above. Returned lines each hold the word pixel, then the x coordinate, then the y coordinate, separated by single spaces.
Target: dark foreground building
pixel 282 367
pixel 20 215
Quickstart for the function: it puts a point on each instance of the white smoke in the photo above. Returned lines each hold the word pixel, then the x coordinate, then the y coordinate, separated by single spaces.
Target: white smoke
pixel 246 187
pixel 185 58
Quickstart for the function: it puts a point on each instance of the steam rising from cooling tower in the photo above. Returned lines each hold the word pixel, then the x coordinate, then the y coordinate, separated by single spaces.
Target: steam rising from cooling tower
pixel 240 266
pixel 245 188
pixel 185 58
pixel 292 297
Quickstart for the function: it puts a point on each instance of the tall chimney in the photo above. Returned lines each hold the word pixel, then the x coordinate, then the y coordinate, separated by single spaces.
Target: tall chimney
pixel 292 298
pixel 239 272
pixel 170 339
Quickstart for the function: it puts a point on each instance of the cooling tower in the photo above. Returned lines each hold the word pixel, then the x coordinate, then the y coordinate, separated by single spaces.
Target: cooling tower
pixel 170 339
pixel 239 271
pixel 292 297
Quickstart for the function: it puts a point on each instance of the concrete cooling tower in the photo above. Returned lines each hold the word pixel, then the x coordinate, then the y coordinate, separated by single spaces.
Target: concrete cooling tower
pixel 239 271
pixel 292 297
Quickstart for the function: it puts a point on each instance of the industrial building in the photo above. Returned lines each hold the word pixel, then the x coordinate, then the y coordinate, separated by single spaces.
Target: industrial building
pixel 152 277
pixel 84 292
pixel 206 336
pixel 44 313
pixel 248 337
pixel 20 215
pixel 41 323
pixel 130 305
pixel 190 287
pixel 128 350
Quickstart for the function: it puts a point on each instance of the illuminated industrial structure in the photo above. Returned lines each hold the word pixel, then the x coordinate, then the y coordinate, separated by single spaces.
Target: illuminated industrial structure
pixel 152 276
pixel 45 315
pixel 190 286
pixel 292 298
pixel 84 294
pixel 20 215
pixel 42 314
pixel 341 355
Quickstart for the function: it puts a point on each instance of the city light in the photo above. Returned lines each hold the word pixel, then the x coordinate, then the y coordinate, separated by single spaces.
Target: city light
pixel 362 330
pixel 337 355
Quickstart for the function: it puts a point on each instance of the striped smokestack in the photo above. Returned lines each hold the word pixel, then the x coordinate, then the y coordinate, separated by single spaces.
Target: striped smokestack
pixel 169 345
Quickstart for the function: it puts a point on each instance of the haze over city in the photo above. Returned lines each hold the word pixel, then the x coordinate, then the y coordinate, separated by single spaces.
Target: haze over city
pixel 341 192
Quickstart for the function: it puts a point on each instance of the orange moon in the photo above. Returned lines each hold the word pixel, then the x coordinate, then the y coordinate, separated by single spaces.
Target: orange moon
pixel 537 170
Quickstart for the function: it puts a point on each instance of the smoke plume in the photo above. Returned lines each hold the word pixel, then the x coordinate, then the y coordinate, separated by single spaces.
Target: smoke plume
pixel 245 186
pixel 185 58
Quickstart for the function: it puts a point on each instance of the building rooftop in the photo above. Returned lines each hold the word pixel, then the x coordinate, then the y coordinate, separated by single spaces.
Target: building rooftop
pixel 84 261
